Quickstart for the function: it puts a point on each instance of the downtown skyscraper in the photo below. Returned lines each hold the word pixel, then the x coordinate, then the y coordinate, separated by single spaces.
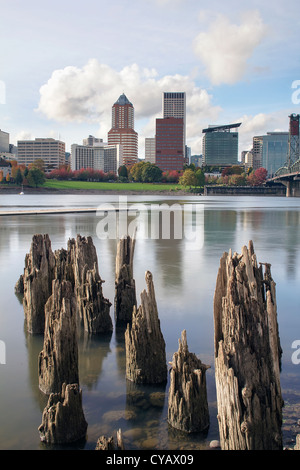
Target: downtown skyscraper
pixel 170 132
pixel 174 105
pixel 122 131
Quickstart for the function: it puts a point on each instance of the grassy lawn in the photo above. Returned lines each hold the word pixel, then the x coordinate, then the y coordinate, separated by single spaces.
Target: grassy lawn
pixel 110 186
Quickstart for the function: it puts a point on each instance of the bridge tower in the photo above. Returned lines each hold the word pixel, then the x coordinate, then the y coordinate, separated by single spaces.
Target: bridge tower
pixel 293 152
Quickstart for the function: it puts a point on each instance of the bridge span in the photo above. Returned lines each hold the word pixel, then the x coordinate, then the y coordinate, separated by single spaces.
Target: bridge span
pixel 290 179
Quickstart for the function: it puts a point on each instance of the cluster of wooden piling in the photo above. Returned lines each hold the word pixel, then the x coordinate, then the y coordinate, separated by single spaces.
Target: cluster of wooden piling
pixel 62 291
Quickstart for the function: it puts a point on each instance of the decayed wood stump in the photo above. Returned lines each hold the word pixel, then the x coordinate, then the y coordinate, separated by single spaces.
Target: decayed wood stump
pixel 297 445
pixel 58 361
pixel 187 401
pixel 36 282
pixel 247 354
pixel 144 342
pixel 93 306
pixel 63 419
pixel 78 265
pixel 108 443
pixel 125 293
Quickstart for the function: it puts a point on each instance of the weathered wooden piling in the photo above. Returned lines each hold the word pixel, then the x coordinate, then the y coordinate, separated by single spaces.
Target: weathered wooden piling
pixel 63 420
pixel 108 443
pixel 77 264
pixel 58 361
pixel 125 293
pixel 247 354
pixel 187 401
pixel 144 342
pixel 36 282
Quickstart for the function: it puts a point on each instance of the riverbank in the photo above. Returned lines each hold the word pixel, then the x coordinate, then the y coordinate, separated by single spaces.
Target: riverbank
pixel 149 189
pixel 85 191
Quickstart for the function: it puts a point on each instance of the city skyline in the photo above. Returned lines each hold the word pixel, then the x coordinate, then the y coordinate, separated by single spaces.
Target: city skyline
pixel 60 77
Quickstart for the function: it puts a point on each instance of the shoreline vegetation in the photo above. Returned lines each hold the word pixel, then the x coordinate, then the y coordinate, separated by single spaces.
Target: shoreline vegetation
pixel 142 178
pixel 91 187
pixel 53 186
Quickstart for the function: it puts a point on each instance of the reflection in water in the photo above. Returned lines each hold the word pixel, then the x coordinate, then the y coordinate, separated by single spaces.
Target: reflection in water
pixel 184 283
pixel 93 349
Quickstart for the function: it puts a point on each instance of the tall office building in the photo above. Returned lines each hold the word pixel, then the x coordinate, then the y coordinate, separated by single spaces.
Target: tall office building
pixel 51 151
pixel 257 151
pixel 275 147
pixel 174 105
pixel 4 141
pixel 106 158
pixel 168 143
pixel 220 145
pixel 122 131
pixel 150 150
pixel 91 140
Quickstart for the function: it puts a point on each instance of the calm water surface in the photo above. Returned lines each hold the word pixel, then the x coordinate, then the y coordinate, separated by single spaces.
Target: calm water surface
pixel 184 281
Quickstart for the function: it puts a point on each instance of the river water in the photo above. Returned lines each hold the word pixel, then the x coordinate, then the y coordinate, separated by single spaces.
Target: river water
pixel 184 276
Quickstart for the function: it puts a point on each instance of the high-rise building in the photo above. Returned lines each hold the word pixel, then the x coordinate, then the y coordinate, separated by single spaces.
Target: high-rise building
pixel 174 105
pixel 220 145
pixel 168 143
pixel 257 151
pixel 91 140
pixel 4 141
pixel 150 150
pixel 122 131
pixel 275 147
pixel 106 158
pixel 51 151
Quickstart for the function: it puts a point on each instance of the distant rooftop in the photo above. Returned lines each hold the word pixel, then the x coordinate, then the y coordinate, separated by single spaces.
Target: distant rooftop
pixel 123 100
pixel 221 128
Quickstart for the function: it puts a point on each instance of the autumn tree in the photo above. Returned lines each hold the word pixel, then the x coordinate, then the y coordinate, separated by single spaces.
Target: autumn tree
pixel 14 168
pixel 171 176
pixel 38 164
pixel 233 170
pixel 237 180
pixel 188 178
pixel 261 175
pixel 136 171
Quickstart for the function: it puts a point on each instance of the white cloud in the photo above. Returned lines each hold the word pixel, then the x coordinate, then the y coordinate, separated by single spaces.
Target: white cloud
pixel 22 135
pixel 87 94
pixel 260 124
pixel 225 48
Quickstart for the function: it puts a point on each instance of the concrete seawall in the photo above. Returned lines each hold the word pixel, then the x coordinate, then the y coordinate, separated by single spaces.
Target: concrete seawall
pixel 245 190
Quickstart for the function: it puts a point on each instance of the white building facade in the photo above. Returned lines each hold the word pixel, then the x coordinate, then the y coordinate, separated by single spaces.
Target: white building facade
pixel 103 157
pixel 51 151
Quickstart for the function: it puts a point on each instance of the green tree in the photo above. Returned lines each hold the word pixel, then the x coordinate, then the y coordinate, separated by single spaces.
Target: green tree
pixel 200 177
pixel 19 177
pixel 123 172
pixel 151 173
pixel 35 177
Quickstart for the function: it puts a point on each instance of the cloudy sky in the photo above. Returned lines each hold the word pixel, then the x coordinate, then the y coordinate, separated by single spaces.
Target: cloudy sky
pixel 64 63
